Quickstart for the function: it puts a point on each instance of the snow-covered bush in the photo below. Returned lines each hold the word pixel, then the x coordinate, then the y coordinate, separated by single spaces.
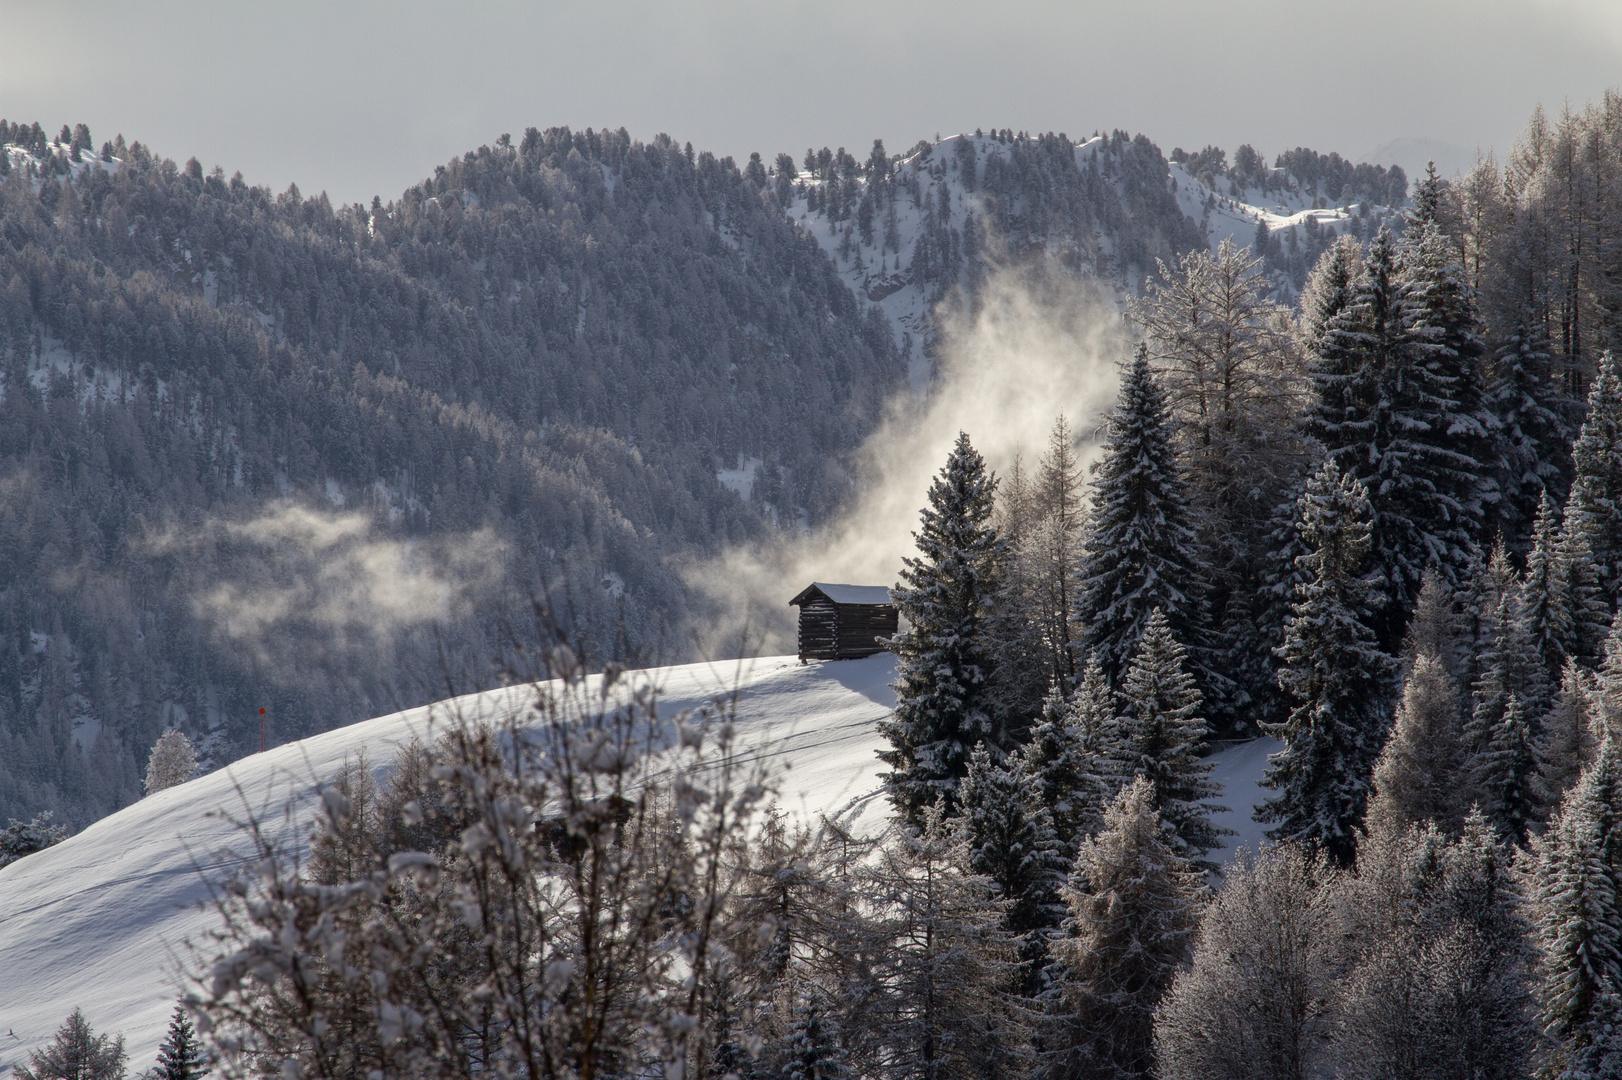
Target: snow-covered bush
pixel 26 837
pixel 548 895
pixel 173 761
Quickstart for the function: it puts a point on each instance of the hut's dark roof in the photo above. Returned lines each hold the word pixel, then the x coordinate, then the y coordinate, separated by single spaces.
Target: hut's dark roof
pixel 846 594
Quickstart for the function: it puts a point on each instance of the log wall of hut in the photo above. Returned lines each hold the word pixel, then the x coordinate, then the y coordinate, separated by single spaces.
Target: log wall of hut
pixel 830 631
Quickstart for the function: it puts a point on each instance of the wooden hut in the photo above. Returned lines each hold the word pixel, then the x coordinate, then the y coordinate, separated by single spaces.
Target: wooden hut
pixel 844 622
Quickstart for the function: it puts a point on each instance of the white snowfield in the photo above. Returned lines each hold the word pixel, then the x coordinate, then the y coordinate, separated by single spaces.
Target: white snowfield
pixel 99 922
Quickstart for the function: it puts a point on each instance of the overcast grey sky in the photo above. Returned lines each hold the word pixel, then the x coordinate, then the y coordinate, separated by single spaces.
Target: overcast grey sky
pixel 366 98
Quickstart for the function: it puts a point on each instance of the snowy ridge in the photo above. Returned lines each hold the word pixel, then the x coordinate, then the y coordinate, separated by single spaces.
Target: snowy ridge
pixel 942 222
pixel 99 922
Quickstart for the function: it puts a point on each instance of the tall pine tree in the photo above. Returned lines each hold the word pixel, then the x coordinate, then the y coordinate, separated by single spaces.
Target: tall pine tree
pixel 943 666
pixel 1159 735
pixel 1334 672
pixel 1391 407
pixel 1142 552
pixel 1594 507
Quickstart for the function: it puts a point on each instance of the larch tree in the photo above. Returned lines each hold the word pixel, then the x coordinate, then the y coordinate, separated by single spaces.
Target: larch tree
pixel 1134 905
pixel 1256 1001
pixel 1571 734
pixel 1335 674
pixel 1223 351
pixel 1421 773
pixel 1142 552
pixel 941 954
pixel 173 761
pixel 943 669
pixel 76 1053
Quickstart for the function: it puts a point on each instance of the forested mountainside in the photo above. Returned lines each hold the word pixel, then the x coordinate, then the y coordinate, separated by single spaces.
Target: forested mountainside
pixel 928 226
pixel 528 369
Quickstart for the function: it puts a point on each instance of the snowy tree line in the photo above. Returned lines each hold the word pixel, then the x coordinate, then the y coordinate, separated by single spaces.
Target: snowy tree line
pixel 1383 530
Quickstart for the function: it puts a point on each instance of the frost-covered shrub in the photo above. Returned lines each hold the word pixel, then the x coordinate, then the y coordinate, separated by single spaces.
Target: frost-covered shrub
pixel 26 837
pixel 548 894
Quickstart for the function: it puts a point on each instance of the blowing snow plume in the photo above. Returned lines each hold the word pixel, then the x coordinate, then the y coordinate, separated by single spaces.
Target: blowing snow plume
pixel 295 584
pixel 1037 346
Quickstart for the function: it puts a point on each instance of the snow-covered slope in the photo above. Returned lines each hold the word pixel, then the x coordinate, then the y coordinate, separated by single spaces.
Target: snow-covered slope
pixel 98 922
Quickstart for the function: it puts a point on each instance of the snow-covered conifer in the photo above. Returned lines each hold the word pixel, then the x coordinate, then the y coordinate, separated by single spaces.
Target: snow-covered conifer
pixel 944 664
pixel 1533 430
pixel 1420 774
pixel 1594 507
pixel 76 1053
pixel 1255 1002
pixel 181 1057
pixel 1545 600
pixel 1158 736
pixel 173 761
pixel 1011 842
pixel 1569 739
pixel 1387 394
pixel 1062 759
pixel 1337 677
pixel 1579 928
pixel 1504 773
pixel 814 1051
pixel 1608 685
pixel 942 953
pixel 1436 627
pixel 1444 331
pixel 1142 551
pixel 1507 665
pixel 1220 347
pixel 1134 905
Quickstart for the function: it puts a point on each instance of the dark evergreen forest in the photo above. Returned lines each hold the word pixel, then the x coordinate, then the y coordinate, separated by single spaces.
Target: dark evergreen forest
pixel 559 340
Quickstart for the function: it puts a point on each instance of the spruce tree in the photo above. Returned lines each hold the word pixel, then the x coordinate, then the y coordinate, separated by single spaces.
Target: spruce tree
pixel 1335 674
pixel 943 665
pixel 1508 665
pixel 1012 843
pixel 1533 432
pixel 1444 333
pixel 181 1057
pixel 1570 737
pixel 814 1051
pixel 1579 927
pixel 1505 774
pixel 1158 736
pixel 1389 388
pixel 1608 685
pixel 1545 601
pixel 1061 758
pixel 1142 553
pixel 1594 507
